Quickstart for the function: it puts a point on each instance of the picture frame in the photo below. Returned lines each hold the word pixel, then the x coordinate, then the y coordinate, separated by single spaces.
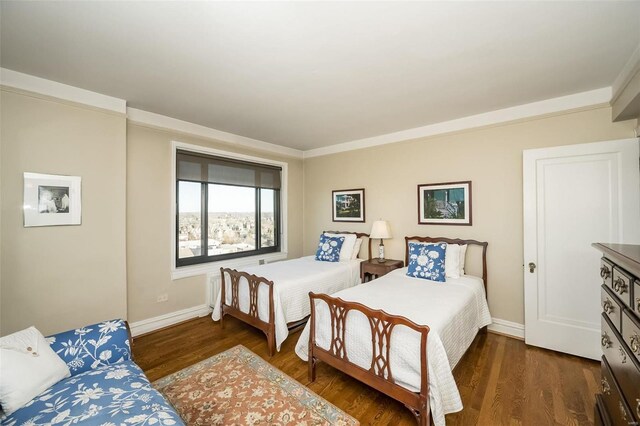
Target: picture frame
pixel 52 200
pixel 348 205
pixel 446 203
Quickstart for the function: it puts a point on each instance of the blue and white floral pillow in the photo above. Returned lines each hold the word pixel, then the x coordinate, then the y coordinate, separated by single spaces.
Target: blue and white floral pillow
pixel 426 261
pixel 329 248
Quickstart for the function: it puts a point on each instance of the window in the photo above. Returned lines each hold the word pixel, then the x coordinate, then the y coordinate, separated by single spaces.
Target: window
pixel 225 208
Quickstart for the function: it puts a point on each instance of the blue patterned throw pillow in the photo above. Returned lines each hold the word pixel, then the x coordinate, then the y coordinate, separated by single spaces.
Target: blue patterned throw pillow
pixel 329 248
pixel 426 261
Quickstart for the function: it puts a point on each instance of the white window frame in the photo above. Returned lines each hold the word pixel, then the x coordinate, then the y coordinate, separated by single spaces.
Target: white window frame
pixel 214 267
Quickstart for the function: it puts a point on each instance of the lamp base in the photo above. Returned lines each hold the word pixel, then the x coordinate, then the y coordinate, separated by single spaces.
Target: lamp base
pixel 381 258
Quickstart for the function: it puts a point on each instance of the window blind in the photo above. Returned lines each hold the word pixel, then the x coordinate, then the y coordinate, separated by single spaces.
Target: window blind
pixel 225 171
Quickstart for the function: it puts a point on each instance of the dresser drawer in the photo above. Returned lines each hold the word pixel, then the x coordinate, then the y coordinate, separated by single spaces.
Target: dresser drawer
pixel 622 285
pixel 611 341
pixel 625 367
pixel 611 306
pixel 606 272
pixel 615 405
pixel 631 333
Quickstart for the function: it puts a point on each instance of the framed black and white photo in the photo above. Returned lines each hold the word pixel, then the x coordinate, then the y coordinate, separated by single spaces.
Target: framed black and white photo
pixel 447 203
pixel 348 205
pixel 51 200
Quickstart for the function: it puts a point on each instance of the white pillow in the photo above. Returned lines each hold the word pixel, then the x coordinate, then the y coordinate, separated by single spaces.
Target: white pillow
pixel 347 246
pixel 356 249
pixel 452 261
pixel 28 367
pixel 463 255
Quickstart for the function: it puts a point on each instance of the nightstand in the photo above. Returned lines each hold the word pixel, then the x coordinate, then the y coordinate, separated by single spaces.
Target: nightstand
pixel 372 269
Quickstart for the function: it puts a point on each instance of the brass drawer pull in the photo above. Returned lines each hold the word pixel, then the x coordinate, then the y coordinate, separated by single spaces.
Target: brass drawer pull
pixel 638 407
pixel 605 272
pixel 607 307
pixel 623 354
pixel 605 386
pixel 605 341
pixel 619 286
pixel 638 304
pixel 635 343
pixel 622 410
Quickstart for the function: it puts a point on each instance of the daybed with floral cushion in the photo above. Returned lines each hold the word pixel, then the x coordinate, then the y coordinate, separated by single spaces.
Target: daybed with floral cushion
pixel 105 388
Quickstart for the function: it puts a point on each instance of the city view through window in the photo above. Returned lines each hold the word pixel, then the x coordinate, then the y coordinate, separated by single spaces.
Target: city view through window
pixel 231 214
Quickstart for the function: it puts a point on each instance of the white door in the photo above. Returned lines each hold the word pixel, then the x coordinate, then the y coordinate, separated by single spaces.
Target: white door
pixel 574 196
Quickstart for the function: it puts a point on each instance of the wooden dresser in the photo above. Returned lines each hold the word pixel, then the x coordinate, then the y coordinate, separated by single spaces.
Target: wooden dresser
pixel 619 400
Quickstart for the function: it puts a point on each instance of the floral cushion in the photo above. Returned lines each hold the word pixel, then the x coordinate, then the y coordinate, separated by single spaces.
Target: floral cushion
pixel 329 248
pixel 427 261
pixel 110 395
pixel 89 347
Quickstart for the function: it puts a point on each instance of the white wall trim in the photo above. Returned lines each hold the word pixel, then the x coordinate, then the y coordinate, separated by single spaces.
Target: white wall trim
pixel 54 89
pixel 593 98
pixel 161 121
pixel 204 268
pixel 628 71
pixel 501 326
pixel 156 323
pixel 549 106
pixel 507 328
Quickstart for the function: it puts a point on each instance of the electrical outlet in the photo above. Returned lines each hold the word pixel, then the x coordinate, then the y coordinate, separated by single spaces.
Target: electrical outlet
pixel 163 297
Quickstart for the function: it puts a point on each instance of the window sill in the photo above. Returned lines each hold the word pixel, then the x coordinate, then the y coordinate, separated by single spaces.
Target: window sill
pixel 214 267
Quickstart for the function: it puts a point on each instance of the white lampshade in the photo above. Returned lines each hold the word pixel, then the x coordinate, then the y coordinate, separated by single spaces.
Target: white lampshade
pixel 380 229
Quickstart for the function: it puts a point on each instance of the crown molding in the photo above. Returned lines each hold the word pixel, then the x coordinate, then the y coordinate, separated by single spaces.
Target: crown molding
pixel 592 98
pixel 629 70
pixel 41 86
pixel 163 122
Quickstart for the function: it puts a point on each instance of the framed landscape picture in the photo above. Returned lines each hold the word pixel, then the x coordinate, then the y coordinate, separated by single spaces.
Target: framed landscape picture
pixel 348 205
pixel 447 203
pixel 51 200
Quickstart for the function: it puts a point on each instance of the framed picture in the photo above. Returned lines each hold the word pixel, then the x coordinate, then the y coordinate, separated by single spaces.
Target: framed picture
pixel 348 205
pixel 447 203
pixel 51 200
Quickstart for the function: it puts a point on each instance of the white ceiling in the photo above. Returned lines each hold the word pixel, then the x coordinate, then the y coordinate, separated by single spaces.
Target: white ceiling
pixel 308 75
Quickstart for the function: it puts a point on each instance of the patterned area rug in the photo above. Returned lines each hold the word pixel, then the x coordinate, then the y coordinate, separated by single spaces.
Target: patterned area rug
pixel 240 388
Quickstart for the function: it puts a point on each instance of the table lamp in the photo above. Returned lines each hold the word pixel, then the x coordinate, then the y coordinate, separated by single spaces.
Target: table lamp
pixel 380 229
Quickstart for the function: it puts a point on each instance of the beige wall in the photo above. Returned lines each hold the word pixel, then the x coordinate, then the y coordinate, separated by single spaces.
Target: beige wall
pixel 149 221
pixel 491 158
pixel 118 261
pixel 60 277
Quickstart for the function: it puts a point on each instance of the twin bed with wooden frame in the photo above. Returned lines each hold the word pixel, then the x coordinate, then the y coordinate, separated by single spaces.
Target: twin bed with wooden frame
pixel 409 353
pixel 274 298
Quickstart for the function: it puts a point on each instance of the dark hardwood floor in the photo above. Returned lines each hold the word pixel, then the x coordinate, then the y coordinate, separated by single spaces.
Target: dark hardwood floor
pixel 501 380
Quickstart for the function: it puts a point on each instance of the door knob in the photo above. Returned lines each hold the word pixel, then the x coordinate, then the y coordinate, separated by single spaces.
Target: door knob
pixel 532 267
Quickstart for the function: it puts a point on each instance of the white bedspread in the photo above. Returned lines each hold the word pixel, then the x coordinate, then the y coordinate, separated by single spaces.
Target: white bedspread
pixel 454 312
pixel 292 281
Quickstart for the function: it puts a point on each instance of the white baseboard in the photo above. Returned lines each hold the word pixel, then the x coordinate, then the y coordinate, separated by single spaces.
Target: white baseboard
pixel 501 326
pixel 508 328
pixel 156 323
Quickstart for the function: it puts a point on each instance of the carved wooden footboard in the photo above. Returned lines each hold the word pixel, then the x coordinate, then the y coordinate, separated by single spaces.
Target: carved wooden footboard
pixel 251 317
pixel 378 375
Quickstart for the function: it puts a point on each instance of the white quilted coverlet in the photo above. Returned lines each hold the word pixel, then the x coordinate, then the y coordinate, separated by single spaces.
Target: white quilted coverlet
pixel 454 312
pixel 293 280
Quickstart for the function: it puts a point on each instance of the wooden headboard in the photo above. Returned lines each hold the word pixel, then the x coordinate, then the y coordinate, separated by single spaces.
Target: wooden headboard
pixel 357 234
pixel 483 244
